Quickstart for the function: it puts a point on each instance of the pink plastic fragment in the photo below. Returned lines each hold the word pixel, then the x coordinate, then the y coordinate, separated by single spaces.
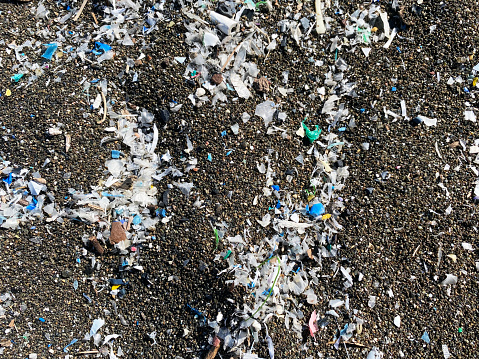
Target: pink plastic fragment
pixel 313 326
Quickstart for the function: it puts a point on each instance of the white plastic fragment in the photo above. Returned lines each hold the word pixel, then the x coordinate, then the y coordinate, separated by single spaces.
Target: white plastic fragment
pixel 240 87
pixel 320 27
pixel 375 354
pixel 335 303
pixel 366 51
pixel 265 221
pixel 385 20
pixel 445 351
pixel 450 279
pixel 97 324
pixel 266 111
pixel 428 121
pixel 469 115
pixel 225 24
pixel 397 321
pixel 391 38
pixel 467 246
pixel 184 187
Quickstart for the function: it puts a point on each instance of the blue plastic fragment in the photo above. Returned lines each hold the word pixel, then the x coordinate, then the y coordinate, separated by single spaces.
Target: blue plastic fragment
pixel 42 320
pixel 196 312
pixel 136 220
pixel 65 350
pixel 17 77
pixel 278 205
pixel 362 110
pixel 75 284
pixel 335 144
pixel 393 89
pixel 223 134
pixel 426 338
pixel 275 187
pixel 228 153
pixel 315 210
pixel 100 48
pixel 51 48
pixel 87 298
pixel 342 129
pixel 8 180
pixel 209 157
pixel 115 154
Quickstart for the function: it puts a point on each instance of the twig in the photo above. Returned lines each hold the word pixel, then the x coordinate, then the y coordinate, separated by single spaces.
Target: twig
pixel 104 107
pixel 94 18
pixel 230 56
pixel 77 16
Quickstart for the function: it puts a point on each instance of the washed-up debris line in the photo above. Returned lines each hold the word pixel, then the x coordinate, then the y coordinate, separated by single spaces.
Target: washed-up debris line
pixel 299 235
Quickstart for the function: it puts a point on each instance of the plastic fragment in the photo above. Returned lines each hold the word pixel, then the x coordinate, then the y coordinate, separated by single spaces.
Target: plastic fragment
pixel 269 341
pixel 397 321
pixel 313 326
pixel 65 350
pixel 311 135
pixel 17 77
pixel 266 111
pixel 427 121
pixel 375 354
pixel 51 48
pixel 97 324
pixel 100 48
pixel 445 351
pixel 450 279
pixel 225 24
pixel 426 338
pixel 316 210
pixel 240 87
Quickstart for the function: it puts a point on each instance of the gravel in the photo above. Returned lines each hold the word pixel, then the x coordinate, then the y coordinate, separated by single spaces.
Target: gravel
pixel 409 203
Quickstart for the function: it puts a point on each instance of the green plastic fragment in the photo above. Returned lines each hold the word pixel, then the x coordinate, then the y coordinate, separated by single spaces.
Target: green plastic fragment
pixel 17 77
pixel 259 3
pixel 312 135
pixel 460 330
pixel 217 239
pixel 227 254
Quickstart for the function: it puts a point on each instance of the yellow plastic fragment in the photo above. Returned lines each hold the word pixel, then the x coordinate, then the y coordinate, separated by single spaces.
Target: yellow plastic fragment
pixel 326 216
pixel 8 92
pixel 113 287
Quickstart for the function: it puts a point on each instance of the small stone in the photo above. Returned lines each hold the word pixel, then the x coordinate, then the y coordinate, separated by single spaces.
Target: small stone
pixel 65 274
pixel 117 233
pixel 261 84
pixel 217 78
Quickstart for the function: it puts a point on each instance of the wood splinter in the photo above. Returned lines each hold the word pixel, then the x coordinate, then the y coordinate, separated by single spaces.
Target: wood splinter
pixel 214 349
